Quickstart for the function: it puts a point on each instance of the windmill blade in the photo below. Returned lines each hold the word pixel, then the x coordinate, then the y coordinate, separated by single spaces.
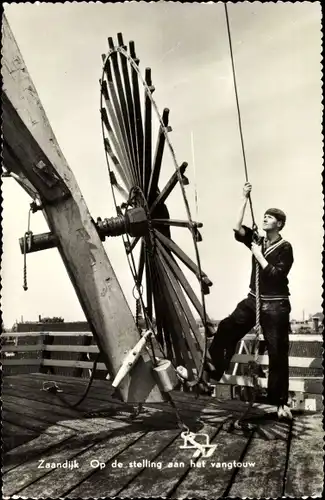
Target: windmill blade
pixel 175 249
pixel 130 109
pixel 155 173
pixel 121 107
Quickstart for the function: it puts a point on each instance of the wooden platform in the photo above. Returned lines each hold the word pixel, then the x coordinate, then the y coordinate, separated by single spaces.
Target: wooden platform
pixel 107 454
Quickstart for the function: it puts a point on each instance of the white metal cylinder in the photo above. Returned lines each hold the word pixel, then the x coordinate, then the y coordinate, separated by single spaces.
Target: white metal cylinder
pixel 165 375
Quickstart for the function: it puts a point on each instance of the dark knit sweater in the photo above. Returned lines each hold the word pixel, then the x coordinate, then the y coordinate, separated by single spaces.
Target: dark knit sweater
pixel 273 279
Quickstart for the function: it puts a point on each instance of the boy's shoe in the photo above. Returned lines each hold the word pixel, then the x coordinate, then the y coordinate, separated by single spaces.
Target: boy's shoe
pixel 203 387
pixel 262 396
pixel 284 412
pixel 182 372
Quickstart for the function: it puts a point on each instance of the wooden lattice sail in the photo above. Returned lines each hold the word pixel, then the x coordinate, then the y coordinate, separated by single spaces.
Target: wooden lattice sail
pixel 135 157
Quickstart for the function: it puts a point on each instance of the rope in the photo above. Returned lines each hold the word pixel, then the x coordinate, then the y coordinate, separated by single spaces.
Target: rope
pixel 194 168
pixel 54 388
pixel 238 111
pixel 252 365
pixel 257 276
pixel 258 327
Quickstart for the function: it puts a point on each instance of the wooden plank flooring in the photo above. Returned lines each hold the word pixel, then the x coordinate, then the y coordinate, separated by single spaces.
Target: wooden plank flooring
pixel 97 450
pixel 306 456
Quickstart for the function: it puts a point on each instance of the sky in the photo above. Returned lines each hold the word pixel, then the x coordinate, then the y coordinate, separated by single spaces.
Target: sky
pixel 277 51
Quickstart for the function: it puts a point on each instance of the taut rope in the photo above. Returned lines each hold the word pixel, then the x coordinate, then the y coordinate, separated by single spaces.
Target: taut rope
pixel 253 366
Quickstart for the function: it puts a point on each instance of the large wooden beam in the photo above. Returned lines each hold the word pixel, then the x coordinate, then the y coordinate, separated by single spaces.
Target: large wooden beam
pixel 32 152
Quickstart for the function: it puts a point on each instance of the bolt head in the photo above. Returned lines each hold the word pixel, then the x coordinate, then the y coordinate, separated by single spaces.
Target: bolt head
pixel 136 222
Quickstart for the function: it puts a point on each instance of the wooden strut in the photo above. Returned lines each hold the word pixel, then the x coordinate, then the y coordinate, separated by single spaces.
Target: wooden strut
pixel 30 141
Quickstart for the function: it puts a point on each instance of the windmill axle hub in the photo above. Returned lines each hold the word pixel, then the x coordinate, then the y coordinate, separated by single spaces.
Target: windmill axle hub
pixel 133 223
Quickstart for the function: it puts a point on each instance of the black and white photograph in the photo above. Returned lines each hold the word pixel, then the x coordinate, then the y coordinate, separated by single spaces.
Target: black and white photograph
pixel 162 238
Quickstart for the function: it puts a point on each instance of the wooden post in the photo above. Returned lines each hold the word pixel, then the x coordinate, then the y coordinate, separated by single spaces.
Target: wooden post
pixel 46 339
pixel 85 341
pixel 32 152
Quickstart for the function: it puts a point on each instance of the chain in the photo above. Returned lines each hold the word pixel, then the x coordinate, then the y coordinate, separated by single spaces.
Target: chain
pixel 25 286
pixel 137 312
pixel 27 243
pixel 140 305
pixel 181 424
pixel 194 385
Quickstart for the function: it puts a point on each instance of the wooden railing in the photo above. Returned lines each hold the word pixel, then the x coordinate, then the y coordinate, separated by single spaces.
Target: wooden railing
pixel 65 353
pixel 305 390
pixel 43 351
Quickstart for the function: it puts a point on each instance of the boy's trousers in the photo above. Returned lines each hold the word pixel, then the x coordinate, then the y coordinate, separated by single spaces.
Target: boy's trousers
pixel 275 325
